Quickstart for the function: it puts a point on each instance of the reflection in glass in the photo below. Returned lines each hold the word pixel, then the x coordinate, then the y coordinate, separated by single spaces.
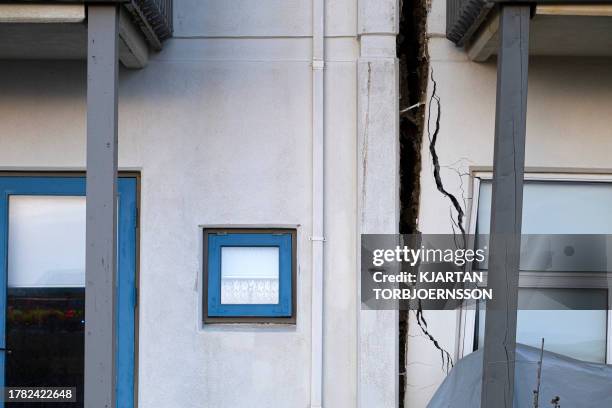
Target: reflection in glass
pixel 566 226
pixel 556 207
pixel 45 336
pixel 572 321
pixel 249 275
pixel 46 294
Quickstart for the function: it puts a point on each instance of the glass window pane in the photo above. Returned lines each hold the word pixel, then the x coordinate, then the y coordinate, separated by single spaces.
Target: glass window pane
pixel 45 314
pixel 556 207
pixel 560 220
pixel 249 275
pixel 571 321
pixel 46 241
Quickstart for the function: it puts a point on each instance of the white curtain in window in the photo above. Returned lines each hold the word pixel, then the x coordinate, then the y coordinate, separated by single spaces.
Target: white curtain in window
pixel 249 275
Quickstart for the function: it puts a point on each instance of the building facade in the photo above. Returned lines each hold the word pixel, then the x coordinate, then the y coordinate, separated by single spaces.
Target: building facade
pixel 185 185
pixel 253 121
pixel 567 170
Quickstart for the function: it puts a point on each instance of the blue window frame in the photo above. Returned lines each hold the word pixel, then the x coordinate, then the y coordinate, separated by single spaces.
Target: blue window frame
pixel 249 275
pixel 126 259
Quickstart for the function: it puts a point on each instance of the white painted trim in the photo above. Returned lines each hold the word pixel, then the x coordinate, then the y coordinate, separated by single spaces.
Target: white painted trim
pixel 467 316
pixel 553 176
pixel 466 331
pixel 474 205
pixel 569 280
pixel 41 13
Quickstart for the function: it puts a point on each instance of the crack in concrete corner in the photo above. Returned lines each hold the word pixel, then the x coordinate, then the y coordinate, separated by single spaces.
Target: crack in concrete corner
pixel 364 154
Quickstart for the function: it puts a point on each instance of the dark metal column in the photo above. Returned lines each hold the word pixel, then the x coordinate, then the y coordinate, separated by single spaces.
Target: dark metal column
pixel 101 249
pixel 506 207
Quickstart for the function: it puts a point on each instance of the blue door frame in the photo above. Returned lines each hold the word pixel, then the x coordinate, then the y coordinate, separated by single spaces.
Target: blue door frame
pixel 126 248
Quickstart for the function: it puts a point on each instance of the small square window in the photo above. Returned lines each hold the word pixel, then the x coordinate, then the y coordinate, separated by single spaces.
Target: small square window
pixel 249 275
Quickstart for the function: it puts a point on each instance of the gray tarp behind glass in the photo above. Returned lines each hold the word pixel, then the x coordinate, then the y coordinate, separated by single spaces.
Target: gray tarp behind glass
pixel 578 384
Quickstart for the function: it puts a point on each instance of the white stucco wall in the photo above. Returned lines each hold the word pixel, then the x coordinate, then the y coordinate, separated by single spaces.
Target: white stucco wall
pixel 567 128
pixel 219 124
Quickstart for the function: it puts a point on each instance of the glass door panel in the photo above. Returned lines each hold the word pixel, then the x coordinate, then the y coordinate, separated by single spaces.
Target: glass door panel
pixel 45 303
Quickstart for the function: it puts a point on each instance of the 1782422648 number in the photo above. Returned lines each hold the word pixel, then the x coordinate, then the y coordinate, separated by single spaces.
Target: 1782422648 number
pixel 40 394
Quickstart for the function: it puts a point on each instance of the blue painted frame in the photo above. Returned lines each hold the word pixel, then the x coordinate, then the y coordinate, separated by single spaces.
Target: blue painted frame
pixel 126 248
pixel 284 306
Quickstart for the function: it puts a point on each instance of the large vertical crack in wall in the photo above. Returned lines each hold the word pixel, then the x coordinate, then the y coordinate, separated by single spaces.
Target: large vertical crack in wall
pixel 413 66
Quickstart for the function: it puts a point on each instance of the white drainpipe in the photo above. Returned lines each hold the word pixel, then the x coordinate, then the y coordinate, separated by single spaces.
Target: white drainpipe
pixel 318 179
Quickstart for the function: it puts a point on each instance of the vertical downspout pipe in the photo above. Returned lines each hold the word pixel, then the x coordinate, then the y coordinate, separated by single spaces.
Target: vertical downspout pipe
pixel 318 198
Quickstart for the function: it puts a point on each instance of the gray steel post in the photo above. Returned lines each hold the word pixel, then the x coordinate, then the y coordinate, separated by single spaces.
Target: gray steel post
pixel 506 207
pixel 101 226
